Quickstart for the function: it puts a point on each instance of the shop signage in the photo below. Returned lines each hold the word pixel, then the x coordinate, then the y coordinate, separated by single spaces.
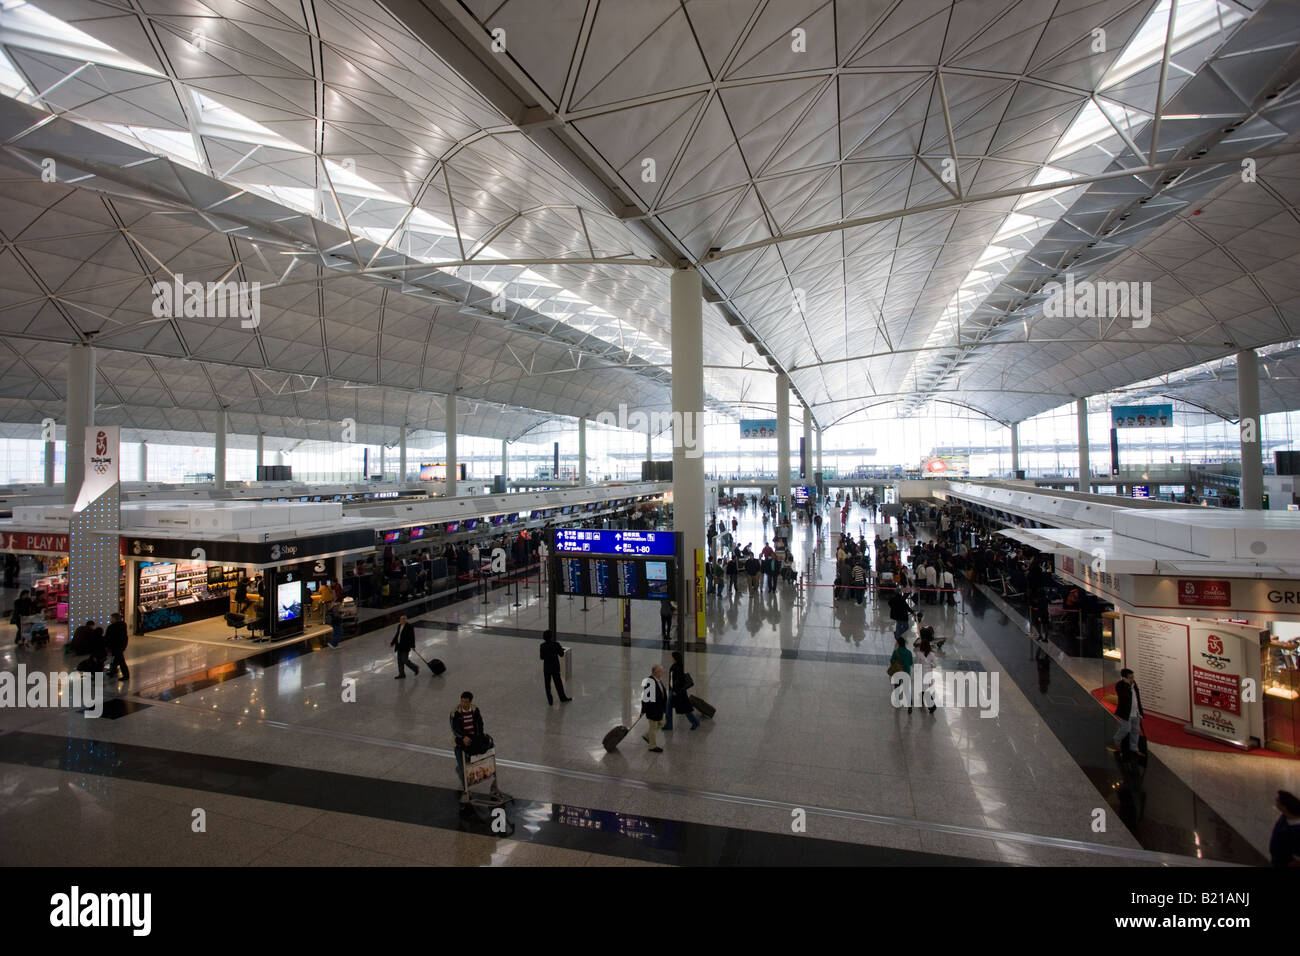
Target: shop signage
pixel 1218 663
pixel 1202 593
pixel 250 552
pixel 26 542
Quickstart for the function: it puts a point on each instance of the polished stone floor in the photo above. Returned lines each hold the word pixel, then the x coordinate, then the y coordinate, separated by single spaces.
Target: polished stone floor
pixel 319 756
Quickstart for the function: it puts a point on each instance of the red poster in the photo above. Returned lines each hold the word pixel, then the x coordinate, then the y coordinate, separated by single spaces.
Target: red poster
pixel 1202 593
pixel 25 542
pixel 1219 691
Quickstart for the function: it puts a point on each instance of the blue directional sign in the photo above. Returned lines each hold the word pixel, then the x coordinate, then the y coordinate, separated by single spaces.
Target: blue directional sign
pixel 640 543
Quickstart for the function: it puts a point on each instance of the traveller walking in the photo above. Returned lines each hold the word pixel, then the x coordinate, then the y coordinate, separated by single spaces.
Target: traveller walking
pixel 927 660
pixel 1129 710
pixel 116 637
pixel 551 651
pixel 900 662
pixel 467 733
pixel 404 642
pixel 666 610
pixel 679 683
pixel 654 707
pixel 900 612
pixel 334 617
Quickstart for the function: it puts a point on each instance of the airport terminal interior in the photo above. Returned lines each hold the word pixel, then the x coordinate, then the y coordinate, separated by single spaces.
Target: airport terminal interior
pixel 650 433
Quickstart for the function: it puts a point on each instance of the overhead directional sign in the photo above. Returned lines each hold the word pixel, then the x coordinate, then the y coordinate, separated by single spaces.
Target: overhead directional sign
pixel 640 543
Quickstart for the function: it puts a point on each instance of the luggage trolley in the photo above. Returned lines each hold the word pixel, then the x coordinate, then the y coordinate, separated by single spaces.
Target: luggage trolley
pixel 479 769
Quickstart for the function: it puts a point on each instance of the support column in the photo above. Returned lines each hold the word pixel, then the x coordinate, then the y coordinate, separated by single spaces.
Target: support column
pixel 505 462
pixel 450 456
pixel 1085 466
pixel 582 451
pixel 219 466
pixel 1015 448
pixel 649 445
pixel 688 463
pixel 819 453
pixel 144 461
pixel 81 415
pixel 383 461
pixel 401 454
pixel 1252 464
pixel 783 443
pixel 49 464
pixel 261 450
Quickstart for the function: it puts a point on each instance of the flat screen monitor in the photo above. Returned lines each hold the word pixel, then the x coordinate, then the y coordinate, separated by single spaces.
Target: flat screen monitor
pixel 417 534
pixel 512 518
pixel 566 509
pixel 656 579
pixel 313 587
pixel 392 537
pixel 470 524
pixel 497 520
pixel 427 471
pixel 452 527
pixel 537 513
pixel 288 601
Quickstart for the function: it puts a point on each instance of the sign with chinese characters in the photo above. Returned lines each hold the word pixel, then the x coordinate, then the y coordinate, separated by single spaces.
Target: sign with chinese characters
pixel 639 543
pixel 1220 658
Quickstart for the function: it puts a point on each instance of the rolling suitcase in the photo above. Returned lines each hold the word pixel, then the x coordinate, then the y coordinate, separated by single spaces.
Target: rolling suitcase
pixel 703 706
pixel 615 737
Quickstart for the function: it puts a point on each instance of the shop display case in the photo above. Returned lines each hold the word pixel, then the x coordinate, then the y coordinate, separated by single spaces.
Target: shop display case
pixel 177 593
pixel 1280 667
pixel 1109 639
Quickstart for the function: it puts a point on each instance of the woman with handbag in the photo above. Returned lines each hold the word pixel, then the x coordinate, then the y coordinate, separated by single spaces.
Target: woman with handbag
pixel 679 683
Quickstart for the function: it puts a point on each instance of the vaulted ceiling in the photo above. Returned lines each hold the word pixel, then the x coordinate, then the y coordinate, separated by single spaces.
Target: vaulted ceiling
pixel 875 192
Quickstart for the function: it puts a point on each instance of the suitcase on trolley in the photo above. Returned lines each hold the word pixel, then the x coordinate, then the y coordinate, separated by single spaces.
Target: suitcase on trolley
pixel 703 706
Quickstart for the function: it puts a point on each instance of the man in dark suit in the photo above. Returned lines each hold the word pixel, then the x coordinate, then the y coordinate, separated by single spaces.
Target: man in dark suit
pixel 550 653
pixel 404 641
pixel 116 637
pixel 654 702
pixel 1128 709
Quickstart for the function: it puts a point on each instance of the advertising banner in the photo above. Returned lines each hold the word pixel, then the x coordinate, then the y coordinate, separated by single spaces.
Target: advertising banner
pixel 758 428
pixel 1220 659
pixel 932 465
pixel 1156 650
pixel 1142 416
pixel 103 463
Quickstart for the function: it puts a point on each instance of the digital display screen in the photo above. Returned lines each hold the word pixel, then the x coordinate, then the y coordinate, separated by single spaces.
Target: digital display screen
pixel 536 514
pixel 628 580
pixel 312 586
pixel 571 575
pixel 566 509
pixel 511 519
pixel 1141 491
pixel 470 524
pixel 656 579
pixel 645 543
pixel 391 537
pixel 801 496
pixel 600 579
pixel 452 527
pixel 497 520
pixel 417 533
pixel 288 601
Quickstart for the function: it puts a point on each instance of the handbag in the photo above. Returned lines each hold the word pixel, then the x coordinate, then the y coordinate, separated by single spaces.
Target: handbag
pixel 894 667
pixel 687 681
